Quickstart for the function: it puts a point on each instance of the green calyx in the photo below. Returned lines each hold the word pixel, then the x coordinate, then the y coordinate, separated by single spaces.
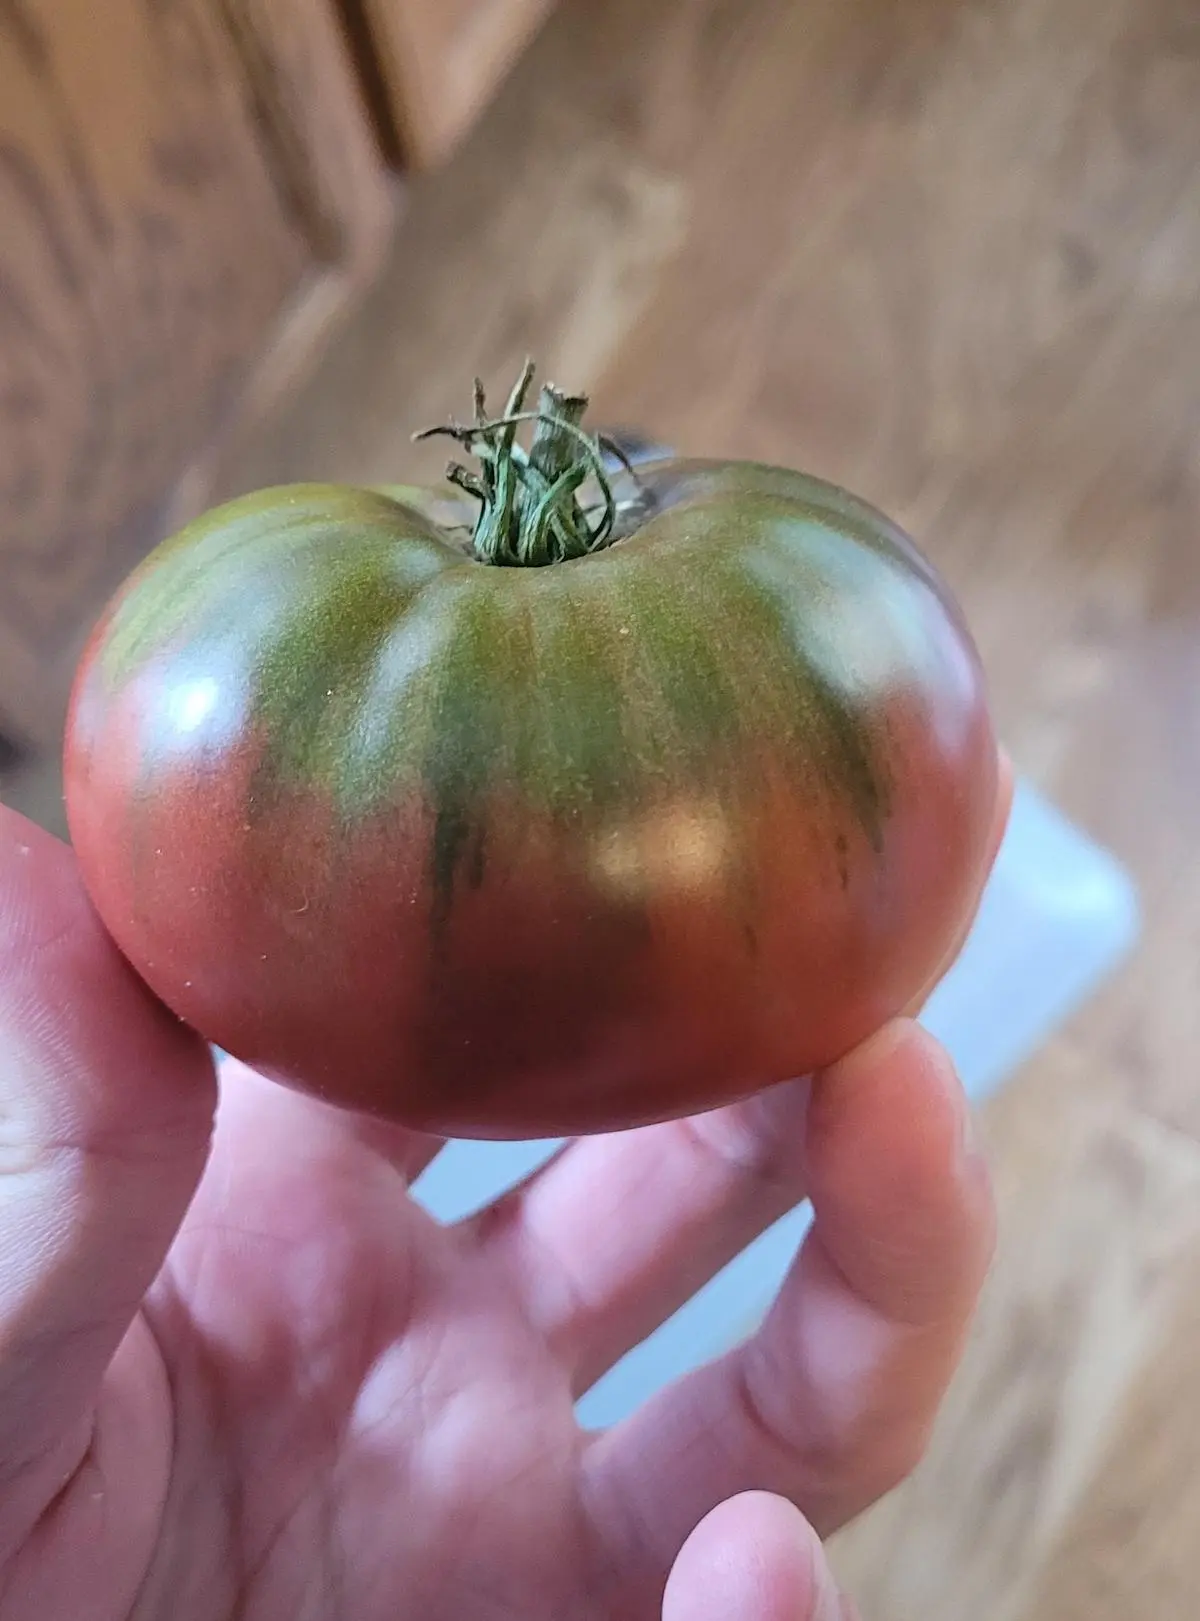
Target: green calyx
pixel 531 510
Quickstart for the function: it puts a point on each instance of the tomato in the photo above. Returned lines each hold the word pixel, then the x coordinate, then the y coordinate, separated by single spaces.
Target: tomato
pixel 502 815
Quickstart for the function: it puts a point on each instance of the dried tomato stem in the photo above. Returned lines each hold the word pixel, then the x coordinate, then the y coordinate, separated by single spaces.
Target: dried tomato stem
pixel 530 512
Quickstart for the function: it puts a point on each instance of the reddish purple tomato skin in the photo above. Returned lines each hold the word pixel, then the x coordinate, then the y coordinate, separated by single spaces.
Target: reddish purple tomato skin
pixel 508 852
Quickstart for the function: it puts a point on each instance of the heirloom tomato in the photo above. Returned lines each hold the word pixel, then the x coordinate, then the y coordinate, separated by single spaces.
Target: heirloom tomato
pixel 561 801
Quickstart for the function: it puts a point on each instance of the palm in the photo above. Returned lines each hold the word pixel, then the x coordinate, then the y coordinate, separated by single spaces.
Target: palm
pixel 398 1438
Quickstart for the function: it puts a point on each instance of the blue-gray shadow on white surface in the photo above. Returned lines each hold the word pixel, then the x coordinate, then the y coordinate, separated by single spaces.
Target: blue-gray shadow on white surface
pixel 1058 916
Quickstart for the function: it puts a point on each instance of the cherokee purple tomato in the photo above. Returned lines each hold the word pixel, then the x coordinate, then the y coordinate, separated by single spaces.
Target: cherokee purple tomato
pixel 503 851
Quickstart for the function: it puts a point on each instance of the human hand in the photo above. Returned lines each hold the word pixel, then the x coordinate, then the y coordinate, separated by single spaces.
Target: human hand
pixel 249 1376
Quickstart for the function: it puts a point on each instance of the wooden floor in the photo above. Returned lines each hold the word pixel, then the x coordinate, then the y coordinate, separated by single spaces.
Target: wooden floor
pixel 947 252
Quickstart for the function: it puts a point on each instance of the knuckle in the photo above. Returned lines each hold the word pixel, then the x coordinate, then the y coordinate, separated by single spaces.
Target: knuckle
pixel 852 1454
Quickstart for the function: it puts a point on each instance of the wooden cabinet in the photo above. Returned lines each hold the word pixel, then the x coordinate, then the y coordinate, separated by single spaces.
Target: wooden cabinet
pixel 191 193
pixel 179 185
pixel 439 61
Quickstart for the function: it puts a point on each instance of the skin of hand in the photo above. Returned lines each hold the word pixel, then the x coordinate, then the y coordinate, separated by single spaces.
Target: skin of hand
pixel 243 1374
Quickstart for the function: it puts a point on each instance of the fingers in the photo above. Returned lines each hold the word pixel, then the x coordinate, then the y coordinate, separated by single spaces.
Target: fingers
pixel 106 1106
pixel 830 1403
pixel 616 1233
pixel 753 1558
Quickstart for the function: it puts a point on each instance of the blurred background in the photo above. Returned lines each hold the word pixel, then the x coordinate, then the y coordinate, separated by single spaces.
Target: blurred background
pixel 946 252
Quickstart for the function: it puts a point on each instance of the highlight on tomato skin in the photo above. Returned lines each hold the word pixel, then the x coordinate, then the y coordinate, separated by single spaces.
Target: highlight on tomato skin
pixel 550 802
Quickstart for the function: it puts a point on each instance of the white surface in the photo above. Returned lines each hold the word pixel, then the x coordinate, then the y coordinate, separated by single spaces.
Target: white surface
pixel 1058 915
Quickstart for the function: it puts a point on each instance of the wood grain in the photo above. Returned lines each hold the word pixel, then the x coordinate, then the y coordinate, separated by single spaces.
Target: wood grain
pixel 323 148
pixel 143 254
pixel 948 252
pixel 1129 1548
pixel 160 216
pixel 441 61
pixel 442 310
pixel 1100 1216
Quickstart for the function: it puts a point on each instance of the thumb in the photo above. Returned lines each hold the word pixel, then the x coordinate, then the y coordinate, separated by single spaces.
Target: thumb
pixel 106 1106
pixel 753 1558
